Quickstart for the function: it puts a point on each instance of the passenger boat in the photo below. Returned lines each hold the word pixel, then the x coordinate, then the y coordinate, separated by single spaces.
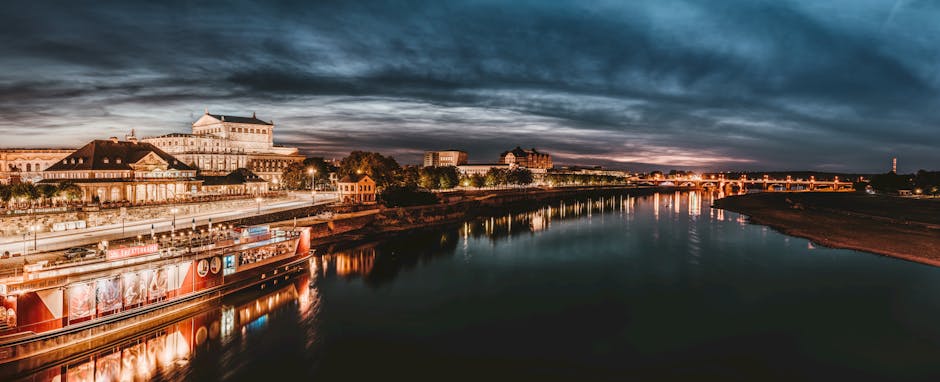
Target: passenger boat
pixel 49 310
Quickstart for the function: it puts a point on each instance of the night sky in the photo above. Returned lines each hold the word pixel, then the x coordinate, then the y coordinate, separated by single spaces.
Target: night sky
pixel 707 84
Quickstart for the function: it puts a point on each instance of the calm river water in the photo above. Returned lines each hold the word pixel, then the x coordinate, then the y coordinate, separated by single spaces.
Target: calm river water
pixel 658 287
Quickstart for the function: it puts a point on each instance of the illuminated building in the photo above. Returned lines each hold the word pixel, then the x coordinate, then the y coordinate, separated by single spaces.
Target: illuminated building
pixel 445 158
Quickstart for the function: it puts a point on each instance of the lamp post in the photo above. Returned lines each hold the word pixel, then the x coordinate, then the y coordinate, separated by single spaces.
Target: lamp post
pixel 259 204
pixel 173 210
pixel 35 232
pixel 313 184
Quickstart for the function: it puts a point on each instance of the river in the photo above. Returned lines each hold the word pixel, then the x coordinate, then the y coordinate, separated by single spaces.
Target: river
pixel 658 287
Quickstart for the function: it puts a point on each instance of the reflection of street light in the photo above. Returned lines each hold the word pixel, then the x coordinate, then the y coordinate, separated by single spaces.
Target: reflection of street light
pixel 259 204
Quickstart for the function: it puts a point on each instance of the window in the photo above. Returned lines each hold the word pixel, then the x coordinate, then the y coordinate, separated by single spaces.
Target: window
pixel 105 160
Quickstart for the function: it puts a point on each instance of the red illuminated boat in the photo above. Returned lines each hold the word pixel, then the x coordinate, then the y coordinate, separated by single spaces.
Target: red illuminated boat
pixel 50 310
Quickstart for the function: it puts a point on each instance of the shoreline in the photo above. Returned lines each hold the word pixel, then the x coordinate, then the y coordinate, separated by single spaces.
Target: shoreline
pixel 390 222
pixel 905 229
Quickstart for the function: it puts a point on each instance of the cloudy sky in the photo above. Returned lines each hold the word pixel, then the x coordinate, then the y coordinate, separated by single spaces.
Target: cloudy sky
pixel 701 84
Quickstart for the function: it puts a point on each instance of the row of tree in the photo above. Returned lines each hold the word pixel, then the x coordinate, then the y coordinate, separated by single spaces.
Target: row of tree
pixel 928 182
pixel 298 175
pixel 557 179
pixel 38 194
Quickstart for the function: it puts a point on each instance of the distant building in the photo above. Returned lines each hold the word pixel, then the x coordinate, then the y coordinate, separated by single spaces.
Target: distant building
pixel 526 158
pixel 480 169
pixel 113 170
pixel 26 165
pixel 356 189
pixel 445 158
pixel 220 144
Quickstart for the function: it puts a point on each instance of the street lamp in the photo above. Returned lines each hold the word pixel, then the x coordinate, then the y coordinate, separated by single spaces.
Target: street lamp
pixel 35 232
pixel 259 204
pixel 173 210
pixel 313 184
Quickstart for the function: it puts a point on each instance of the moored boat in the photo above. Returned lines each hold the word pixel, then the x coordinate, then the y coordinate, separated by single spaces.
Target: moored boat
pixel 50 309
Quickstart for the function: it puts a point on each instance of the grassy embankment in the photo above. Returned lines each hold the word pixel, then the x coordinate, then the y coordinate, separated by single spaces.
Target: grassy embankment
pixel 898 227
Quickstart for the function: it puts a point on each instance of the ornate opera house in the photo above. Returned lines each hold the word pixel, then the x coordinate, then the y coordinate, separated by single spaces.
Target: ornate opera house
pixel 220 144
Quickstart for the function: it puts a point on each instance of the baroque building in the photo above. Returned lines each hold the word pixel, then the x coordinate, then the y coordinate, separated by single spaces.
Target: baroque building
pixel 26 165
pixel 115 171
pixel 531 159
pixel 220 144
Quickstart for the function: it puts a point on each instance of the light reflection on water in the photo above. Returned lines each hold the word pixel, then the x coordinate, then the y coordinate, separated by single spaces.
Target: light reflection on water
pixel 655 287
pixel 166 353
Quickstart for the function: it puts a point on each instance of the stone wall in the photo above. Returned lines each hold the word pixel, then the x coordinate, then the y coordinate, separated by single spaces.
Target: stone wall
pixel 18 225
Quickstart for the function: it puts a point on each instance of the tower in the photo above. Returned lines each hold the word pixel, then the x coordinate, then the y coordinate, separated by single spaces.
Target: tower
pixel 894 165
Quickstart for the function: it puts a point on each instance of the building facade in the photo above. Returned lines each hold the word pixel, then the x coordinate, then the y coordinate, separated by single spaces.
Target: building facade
pixel 445 158
pixel 117 171
pixel 526 158
pixel 26 165
pixel 220 144
pixel 480 169
pixel 356 189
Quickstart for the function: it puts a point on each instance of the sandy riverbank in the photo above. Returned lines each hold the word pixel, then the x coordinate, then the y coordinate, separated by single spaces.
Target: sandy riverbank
pixel 897 227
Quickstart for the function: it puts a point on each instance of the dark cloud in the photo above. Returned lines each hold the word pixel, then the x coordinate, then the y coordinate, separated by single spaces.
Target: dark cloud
pixel 734 84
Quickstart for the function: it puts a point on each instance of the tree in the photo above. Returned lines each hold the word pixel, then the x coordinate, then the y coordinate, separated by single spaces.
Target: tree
pixel 410 176
pixel 427 178
pixel 891 182
pixel 294 177
pixel 385 171
pixel 496 177
pixel 297 175
pixel 47 191
pixel 6 193
pixel 519 176
pixel 322 170
pixel 69 191
pixel 447 177
pixel 477 180
pixel 400 196
pixel 25 192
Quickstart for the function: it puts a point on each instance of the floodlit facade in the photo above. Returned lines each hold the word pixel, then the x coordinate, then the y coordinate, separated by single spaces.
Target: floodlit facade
pixel 26 165
pixel 114 171
pixel 526 158
pixel 445 158
pixel 220 144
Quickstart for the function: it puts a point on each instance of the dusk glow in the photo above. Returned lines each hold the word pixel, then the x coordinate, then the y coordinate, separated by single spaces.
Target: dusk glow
pixel 832 86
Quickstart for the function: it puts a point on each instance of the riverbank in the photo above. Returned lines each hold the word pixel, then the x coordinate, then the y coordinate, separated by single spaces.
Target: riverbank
pixel 388 222
pixel 903 228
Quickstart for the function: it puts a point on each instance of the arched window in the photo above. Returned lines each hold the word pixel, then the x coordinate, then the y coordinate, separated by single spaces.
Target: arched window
pixel 29 167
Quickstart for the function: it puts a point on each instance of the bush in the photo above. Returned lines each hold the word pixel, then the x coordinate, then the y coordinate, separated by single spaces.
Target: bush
pixel 405 196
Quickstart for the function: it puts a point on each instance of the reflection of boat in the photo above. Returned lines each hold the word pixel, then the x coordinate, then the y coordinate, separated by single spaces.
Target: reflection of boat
pixel 55 308
pixel 143 356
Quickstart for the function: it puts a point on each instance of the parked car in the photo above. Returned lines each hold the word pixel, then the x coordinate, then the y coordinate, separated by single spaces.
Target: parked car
pixel 78 253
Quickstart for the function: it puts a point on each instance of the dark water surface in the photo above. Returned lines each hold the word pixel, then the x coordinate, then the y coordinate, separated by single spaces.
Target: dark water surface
pixel 658 287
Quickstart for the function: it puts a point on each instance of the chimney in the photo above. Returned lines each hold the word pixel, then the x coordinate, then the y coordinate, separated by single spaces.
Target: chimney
pixel 253 115
pixel 114 139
